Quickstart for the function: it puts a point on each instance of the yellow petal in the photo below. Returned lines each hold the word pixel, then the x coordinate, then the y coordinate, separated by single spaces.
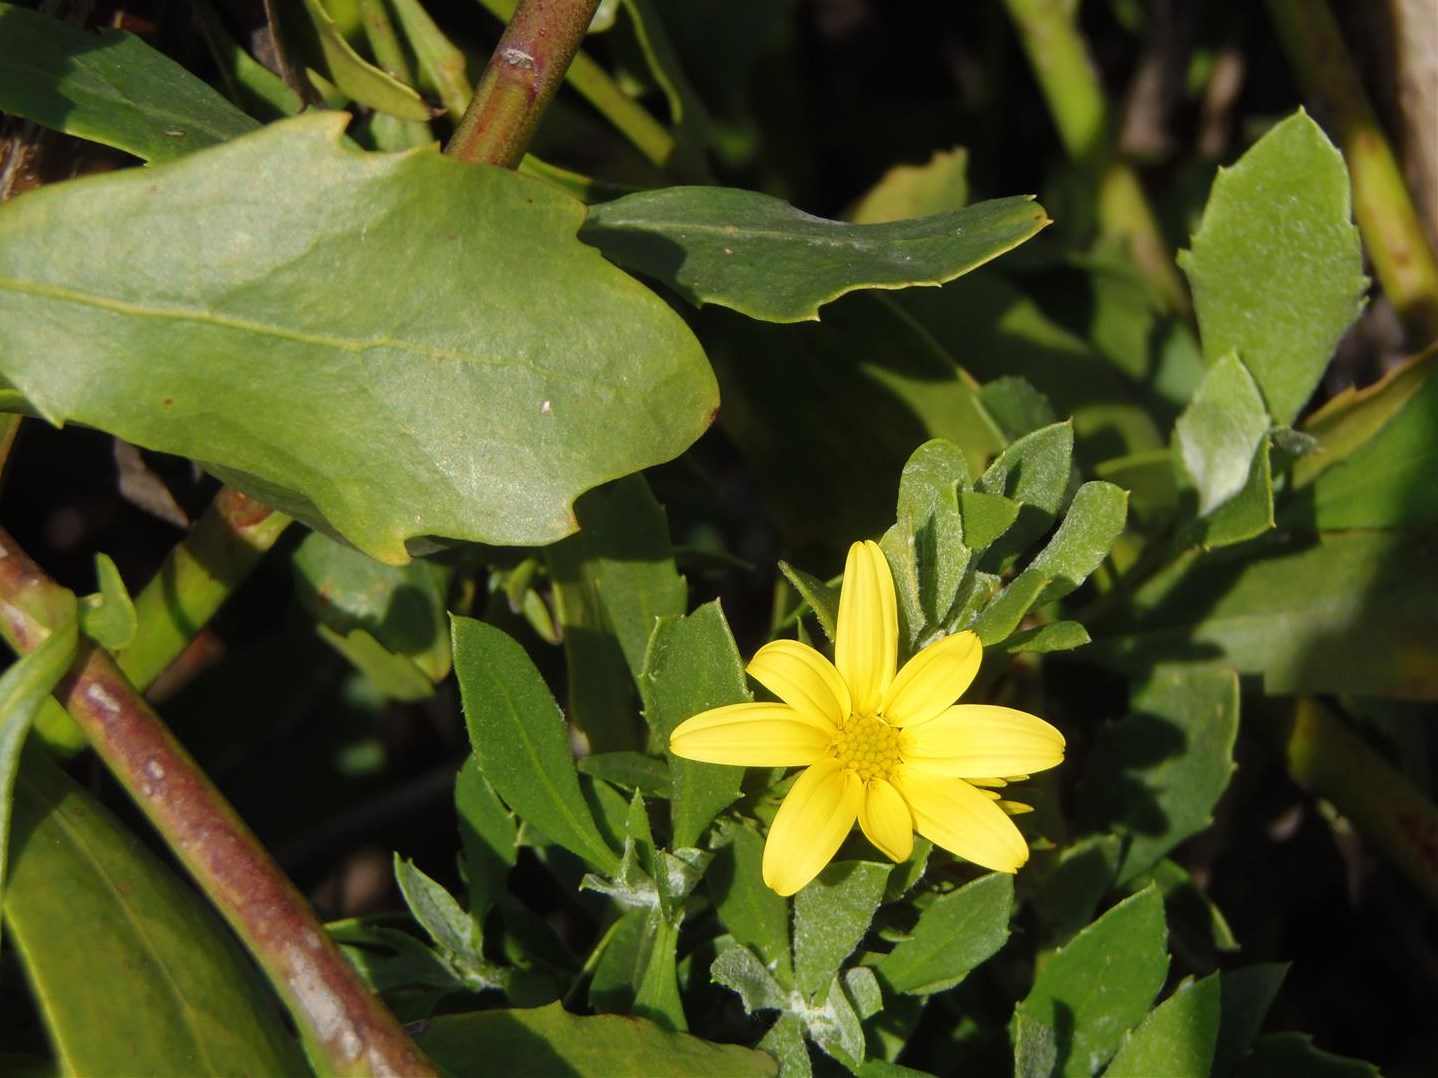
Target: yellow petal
pixel 933 679
pixel 803 679
pixel 952 814
pixel 866 640
pixel 886 820
pixel 978 740
pixel 1015 808
pixel 750 735
pixel 809 826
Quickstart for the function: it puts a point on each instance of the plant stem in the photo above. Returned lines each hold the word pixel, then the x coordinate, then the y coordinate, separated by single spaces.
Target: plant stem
pixel 1382 204
pixel 326 996
pixel 1329 761
pixel 589 79
pixel 197 577
pixel 1066 76
pixel 526 69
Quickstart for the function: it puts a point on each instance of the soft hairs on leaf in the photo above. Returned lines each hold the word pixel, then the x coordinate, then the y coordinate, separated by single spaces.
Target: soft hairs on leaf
pixel 352 337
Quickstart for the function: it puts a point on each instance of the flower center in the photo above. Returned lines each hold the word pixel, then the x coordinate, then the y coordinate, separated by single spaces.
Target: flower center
pixel 868 746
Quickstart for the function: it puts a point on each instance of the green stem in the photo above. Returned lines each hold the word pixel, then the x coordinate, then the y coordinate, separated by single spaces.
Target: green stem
pixel 326 996
pixel 1382 204
pixel 1331 762
pixel 197 577
pixel 1075 98
pixel 523 74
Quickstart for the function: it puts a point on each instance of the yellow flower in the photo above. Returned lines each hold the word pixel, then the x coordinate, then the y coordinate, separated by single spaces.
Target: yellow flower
pixel 886 748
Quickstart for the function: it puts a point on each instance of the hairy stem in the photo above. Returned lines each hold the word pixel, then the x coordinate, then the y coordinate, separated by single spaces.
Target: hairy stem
pixel 327 998
pixel 526 69
pixel 1075 99
pixel 1382 204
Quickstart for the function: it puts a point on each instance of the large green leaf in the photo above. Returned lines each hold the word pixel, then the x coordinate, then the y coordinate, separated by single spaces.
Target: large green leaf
pixel 131 970
pixel 1093 991
pixel 1345 612
pixel 1276 268
pixel 548 1040
pixel 1157 774
pixel 109 87
pixel 955 934
pixel 521 741
pixel 239 307
pixel 1177 1037
pixel 693 665
pixel 760 256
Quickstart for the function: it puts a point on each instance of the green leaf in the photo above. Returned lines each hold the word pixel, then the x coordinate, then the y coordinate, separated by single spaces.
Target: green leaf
pixel 693 665
pixel 1355 416
pixel 255 88
pixel 487 835
pixel 1123 951
pixel 831 916
pixel 801 392
pixel 1157 774
pixel 359 80
pixel 1035 471
pixel 1044 639
pixel 952 937
pixel 125 961
pixel 612 581
pixel 1279 1055
pixel 986 517
pixel 625 538
pixel 1094 520
pixel 931 527
pixel 657 994
pixel 24 688
pixel 1386 481
pixel 1177 1037
pixel 786 1042
pixel 293 320
pixel 632 770
pixel 1347 613
pixel 1276 268
pixel 1220 431
pixel 1072 889
pixel 739 971
pixel 822 598
pixel 547 1040
pixel 453 930
pixel 108 87
pixel 1017 407
pixel 108 617
pixel 760 256
pixel 520 740
pixel 401 606
pixel 1247 515
pixel 623 957
pixel 755 916
pixel 907 191
pixel 1247 994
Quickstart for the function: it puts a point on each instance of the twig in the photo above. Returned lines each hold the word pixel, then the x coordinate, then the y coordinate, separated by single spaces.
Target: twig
pixel 345 1021
pixel 526 69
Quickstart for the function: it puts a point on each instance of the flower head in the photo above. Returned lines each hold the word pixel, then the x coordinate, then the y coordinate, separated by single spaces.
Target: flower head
pixel 884 746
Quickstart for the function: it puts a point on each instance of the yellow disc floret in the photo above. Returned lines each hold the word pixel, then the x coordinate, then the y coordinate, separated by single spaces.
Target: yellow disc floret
pixel 868 746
